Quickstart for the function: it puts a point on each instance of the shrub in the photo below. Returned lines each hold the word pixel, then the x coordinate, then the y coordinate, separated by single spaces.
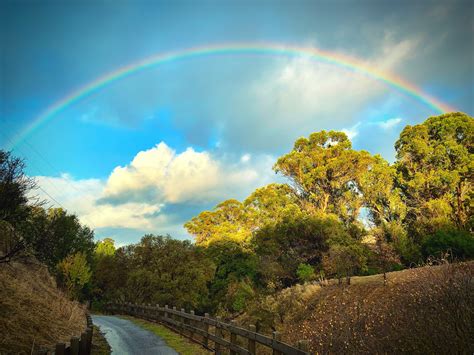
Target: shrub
pixel 305 272
pixel 458 243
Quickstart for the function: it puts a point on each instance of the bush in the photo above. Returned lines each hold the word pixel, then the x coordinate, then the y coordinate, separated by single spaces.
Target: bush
pixel 458 243
pixel 305 272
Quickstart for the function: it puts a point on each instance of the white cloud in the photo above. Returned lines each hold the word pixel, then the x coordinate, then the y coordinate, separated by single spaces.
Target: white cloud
pixel 80 197
pixel 389 124
pixel 163 175
pixel 294 97
pixel 136 195
pixel 245 158
pixel 353 131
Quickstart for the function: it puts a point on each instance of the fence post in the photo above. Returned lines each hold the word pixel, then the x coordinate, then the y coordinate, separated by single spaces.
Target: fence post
pixel 233 337
pixel 205 326
pixel 251 346
pixel 183 322
pixel 218 333
pixel 166 313
pixel 177 319
pixel 60 349
pixel 157 312
pixel 83 344
pixel 303 345
pixel 192 323
pixel 74 346
pixel 89 332
pixel 276 337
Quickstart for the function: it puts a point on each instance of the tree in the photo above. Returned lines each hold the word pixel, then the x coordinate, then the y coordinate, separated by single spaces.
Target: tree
pixel 166 271
pixel 326 173
pixel 15 186
pixel 111 273
pixel 345 259
pixel 382 199
pixel 269 204
pixel 235 273
pixel 435 171
pixel 300 239
pixel 105 247
pixel 228 221
pixel 54 234
pixel 74 273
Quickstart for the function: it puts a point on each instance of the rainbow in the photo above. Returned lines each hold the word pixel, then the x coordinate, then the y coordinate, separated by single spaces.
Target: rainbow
pixel 340 60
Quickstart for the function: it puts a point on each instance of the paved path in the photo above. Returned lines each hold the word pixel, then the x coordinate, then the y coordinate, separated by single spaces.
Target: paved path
pixel 125 337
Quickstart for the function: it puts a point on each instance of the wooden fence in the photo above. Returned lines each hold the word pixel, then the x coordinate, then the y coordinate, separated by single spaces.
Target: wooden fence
pixel 77 345
pixel 211 333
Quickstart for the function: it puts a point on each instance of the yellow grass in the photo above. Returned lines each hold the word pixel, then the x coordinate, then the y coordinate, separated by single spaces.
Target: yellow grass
pixel 33 312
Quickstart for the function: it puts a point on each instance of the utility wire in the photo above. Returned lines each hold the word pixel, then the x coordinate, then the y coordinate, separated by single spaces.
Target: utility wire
pixel 45 175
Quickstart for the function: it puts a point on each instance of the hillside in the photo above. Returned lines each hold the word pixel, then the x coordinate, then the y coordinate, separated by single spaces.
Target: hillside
pixel 424 310
pixel 33 312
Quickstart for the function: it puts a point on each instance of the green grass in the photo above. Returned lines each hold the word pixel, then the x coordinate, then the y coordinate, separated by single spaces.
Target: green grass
pixel 181 344
pixel 99 344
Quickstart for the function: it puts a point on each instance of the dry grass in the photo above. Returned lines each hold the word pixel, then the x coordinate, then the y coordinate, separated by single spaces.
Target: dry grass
pixel 419 311
pixel 33 312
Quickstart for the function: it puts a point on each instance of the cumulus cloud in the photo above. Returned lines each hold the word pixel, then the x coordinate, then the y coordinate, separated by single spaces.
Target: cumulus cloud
pixel 158 190
pixel 162 174
pixel 80 197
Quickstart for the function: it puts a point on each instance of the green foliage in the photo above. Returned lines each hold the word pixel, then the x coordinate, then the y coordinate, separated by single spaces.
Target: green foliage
pixel 346 257
pixel 380 195
pixel 74 273
pixel 226 222
pixel 239 294
pixel 156 270
pixel 435 170
pixel 235 268
pixel 270 204
pixel 14 188
pixel 295 240
pixel 305 272
pixel 232 220
pixel 327 173
pixel 457 243
pixel 105 247
pixel 54 234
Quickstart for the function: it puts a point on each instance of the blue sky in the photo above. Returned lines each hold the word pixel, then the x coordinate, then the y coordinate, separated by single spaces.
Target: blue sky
pixel 148 152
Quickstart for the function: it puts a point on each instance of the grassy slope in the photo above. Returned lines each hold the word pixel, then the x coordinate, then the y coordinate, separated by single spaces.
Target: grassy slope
pixel 425 310
pixel 33 310
pixel 181 344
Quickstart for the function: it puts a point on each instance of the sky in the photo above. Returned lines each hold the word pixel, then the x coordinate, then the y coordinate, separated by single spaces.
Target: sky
pixel 150 150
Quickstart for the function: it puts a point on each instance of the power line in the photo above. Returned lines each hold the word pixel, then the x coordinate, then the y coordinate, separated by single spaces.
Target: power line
pixel 54 187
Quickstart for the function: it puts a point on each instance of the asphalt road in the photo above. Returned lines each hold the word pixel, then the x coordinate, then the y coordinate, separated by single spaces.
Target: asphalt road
pixel 125 337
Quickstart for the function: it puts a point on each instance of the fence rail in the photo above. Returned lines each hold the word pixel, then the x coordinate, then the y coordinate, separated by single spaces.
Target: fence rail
pixel 225 337
pixel 77 345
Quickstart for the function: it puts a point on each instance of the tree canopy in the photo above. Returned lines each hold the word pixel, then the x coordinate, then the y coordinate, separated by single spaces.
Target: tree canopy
pixel 435 172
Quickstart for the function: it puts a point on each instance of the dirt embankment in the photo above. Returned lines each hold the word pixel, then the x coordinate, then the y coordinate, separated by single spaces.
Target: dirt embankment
pixel 419 311
pixel 33 312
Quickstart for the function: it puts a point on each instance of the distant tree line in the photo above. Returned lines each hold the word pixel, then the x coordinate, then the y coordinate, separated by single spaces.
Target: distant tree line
pixel 343 212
